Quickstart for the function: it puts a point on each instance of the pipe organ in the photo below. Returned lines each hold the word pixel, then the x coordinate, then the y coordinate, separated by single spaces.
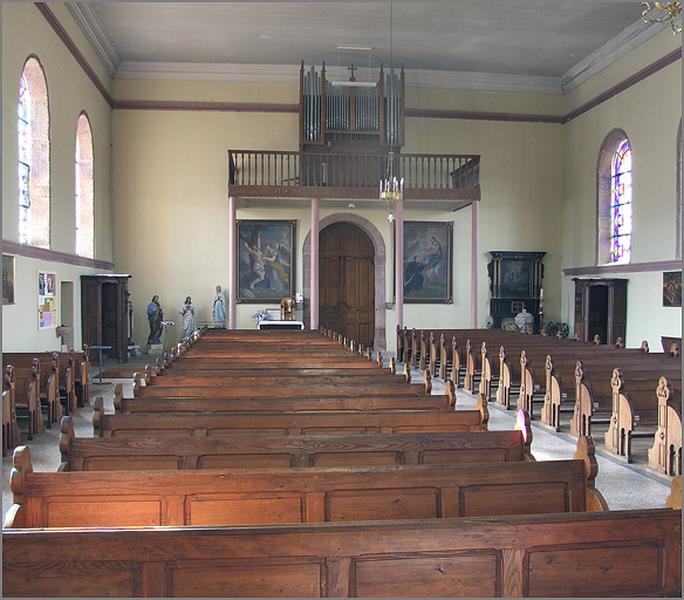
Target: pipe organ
pixel 333 111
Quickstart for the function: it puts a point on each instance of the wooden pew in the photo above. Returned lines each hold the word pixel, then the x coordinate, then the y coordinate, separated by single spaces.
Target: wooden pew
pixel 297 495
pixel 636 553
pixel 633 406
pixel 217 405
pixel 666 453
pixel 64 364
pixel 25 389
pixel 323 423
pixel 570 390
pixel 257 451
pixel 46 378
pixel 11 436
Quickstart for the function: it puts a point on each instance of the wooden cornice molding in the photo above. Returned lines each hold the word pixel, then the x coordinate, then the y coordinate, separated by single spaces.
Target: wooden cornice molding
pixel 63 35
pixel 644 73
pixel 644 267
pixel 9 247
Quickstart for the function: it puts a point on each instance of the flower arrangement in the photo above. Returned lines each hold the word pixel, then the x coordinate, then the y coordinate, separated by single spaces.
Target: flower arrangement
pixel 259 316
pixel 553 328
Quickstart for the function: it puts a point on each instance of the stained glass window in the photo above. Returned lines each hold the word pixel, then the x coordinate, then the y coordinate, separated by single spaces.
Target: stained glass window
pixel 33 134
pixel 621 205
pixel 24 134
pixel 85 222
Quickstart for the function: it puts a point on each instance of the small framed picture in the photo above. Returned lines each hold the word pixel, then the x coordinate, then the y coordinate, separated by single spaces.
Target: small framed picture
pixel 672 289
pixel 7 279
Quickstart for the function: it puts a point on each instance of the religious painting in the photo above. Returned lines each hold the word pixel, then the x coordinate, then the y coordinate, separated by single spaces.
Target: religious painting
pixel 516 279
pixel 672 289
pixel 7 279
pixel 47 301
pixel 427 262
pixel 265 260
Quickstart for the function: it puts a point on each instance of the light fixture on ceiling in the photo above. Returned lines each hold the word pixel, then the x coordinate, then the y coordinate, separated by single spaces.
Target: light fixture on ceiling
pixel 663 12
pixel 391 188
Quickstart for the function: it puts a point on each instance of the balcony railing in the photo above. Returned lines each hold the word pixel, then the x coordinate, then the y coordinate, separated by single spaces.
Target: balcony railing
pixel 258 173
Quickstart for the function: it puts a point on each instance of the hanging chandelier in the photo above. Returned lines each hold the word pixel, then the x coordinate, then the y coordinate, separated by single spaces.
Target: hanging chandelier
pixel 391 188
pixel 663 12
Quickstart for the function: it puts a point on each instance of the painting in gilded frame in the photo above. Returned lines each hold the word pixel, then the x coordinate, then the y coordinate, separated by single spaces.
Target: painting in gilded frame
pixel 7 279
pixel 672 289
pixel 266 252
pixel 427 262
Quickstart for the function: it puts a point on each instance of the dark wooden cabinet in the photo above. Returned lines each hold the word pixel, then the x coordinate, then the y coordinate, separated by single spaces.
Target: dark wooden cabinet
pixel 515 280
pixel 600 309
pixel 104 313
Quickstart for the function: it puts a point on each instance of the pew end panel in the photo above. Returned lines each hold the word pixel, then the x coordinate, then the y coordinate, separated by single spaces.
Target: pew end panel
pixel 666 453
pixel 586 452
pixel 524 426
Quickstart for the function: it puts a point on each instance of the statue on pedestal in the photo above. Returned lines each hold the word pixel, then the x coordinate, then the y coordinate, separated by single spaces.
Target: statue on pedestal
pixel 219 309
pixel 188 313
pixel 155 316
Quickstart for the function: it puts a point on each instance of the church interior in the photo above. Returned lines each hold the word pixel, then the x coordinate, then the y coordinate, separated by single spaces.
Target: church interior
pixel 373 298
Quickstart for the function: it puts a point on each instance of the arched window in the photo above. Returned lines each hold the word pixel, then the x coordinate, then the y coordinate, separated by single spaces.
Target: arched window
pixel 615 200
pixel 85 221
pixel 33 128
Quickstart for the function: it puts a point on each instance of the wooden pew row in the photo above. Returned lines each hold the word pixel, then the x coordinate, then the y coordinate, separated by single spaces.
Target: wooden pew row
pixel 636 553
pixel 11 435
pixel 295 404
pixel 62 364
pixel 76 383
pixel 325 423
pixel 25 391
pixel 46 383
pixel 225 389
pixel 577 399
pixel 300 495
pixel 599 365
pixel 257 451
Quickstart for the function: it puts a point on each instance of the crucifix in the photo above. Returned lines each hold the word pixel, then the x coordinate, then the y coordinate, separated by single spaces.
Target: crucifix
pixel 351 70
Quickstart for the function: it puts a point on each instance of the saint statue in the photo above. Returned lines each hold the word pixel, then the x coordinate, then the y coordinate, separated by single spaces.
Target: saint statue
pixel 188 313
pixel 155 316
pixel 129 306
pixel 219 309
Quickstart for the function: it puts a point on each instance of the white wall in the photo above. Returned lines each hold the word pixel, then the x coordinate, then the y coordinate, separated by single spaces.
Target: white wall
pixel 25 32
pixel 649 113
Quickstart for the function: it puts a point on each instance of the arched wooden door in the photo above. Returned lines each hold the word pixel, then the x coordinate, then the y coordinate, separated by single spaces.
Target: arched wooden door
pixel 347 282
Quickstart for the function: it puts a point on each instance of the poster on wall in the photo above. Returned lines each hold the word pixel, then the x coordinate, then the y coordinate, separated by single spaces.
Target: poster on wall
pixel 266 260
pixel 7 279
pixel 47 300
pixel 672 289
pixel 427 262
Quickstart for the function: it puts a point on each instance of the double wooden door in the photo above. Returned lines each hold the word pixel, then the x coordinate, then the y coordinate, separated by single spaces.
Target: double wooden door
pixel 347 282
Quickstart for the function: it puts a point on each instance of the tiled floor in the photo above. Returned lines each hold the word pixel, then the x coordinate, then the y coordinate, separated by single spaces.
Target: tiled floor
pixel 624 486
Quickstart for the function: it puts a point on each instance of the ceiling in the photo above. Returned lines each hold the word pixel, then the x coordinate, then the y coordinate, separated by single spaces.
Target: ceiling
pixel 512 37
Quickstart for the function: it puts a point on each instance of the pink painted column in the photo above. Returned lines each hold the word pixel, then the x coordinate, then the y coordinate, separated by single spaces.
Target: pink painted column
pixel 232 264
pixel 313 301
pixel 399 261
pixel 475 207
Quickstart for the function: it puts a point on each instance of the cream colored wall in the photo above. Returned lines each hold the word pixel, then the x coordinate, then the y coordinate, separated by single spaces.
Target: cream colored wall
pixel 649 113
pixel 25 32
pixel 170 193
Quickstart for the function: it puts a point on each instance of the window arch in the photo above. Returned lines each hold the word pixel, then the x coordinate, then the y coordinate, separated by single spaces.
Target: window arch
pixel 33 128
pixel 84 188
pixel 615 199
